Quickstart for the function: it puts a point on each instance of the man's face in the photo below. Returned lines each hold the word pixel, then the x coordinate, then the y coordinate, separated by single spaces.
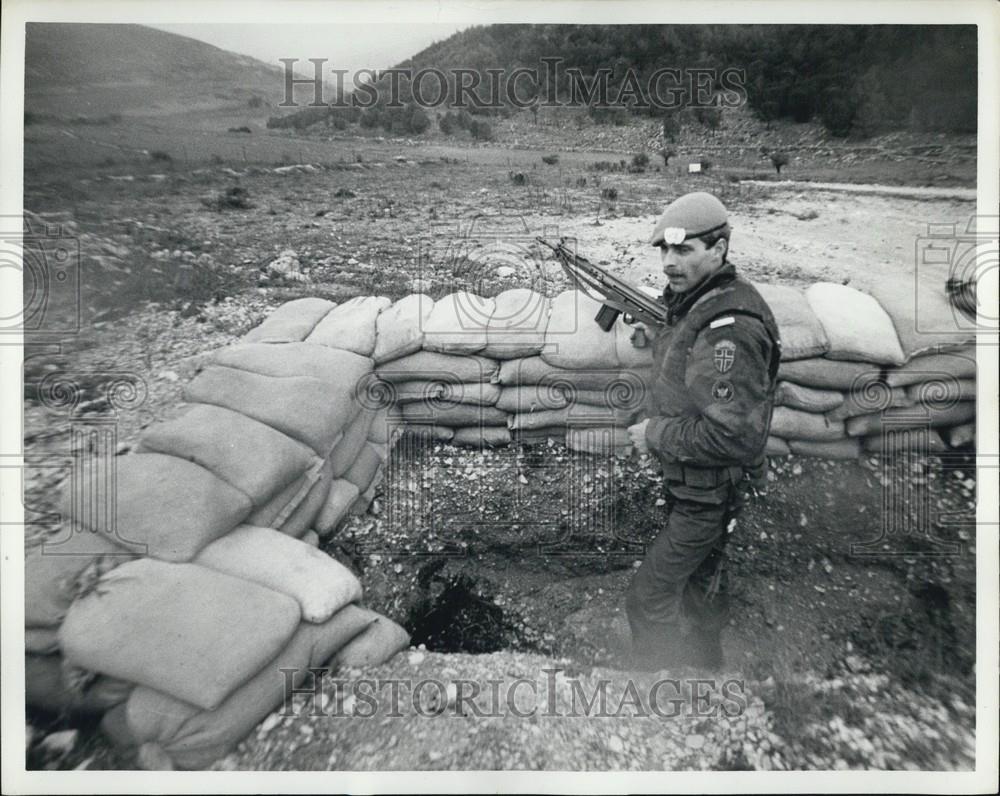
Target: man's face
pixel 689 263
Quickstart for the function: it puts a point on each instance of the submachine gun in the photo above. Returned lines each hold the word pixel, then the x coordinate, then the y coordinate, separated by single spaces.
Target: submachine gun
pixel 617 296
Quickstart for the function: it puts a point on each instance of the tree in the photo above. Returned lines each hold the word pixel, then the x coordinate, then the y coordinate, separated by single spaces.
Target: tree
pixel 666 153
pixel 779 159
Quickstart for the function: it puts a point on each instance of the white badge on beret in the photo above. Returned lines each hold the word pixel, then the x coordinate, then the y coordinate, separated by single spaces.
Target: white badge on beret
pixel 674 235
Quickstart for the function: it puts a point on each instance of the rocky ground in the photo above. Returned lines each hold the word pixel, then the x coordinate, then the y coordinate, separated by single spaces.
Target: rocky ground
pixel 845 660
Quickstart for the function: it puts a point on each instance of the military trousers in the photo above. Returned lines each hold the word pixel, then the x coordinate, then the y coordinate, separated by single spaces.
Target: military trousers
pixel 677 603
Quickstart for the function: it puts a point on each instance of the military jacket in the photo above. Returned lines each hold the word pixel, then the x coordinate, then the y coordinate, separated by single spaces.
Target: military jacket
pixel 714 374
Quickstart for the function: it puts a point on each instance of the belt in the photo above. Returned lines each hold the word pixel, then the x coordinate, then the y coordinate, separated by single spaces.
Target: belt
pixel 692 475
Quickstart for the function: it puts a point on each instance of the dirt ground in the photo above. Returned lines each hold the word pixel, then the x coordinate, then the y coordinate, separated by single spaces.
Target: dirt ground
pixel 379 219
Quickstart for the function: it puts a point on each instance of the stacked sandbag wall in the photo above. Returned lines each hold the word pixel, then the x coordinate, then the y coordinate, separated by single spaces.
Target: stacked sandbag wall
pixel 523 367
pixel 175 619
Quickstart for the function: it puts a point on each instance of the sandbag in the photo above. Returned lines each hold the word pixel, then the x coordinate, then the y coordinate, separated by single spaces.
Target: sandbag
pixel 808 399
pixel 364 500
pixel 832 449
pixel 350 445
pixel 829 374
pixel 945 390
pixel 457 324
pixel 405 392
pixel 380 430
pixel 919 440
pixel 432 365
pixel 291 322
pixel 340 369
pixel 517 326
pixel 573 338
pixel 599 440
pixel 233 447
pixel 399 329
pixel 912 417
pixel 792 424
pixel 620 396
pixel 339 500
pixel 193 738
pixel 276 512
pixel 351 325
pixel 169 508
pixel 922 315
pixel 536 371
pixel 182 629
pixel 424 432
pixel 530 397
pixel 484 436
pixel 367 465
pixel 452 414
pixel 960 364
pixel 776 446
pixel 381 639
pixel 320 584
pixel 477 393
pixel 874 398
pixel 801 333
pixel 55 570
pixel 305 514
pixel 856 326
pixel 41 640
pixel 573 415
pixel 532 436
pixel 47 687
pixel 300 406
pixel 960 436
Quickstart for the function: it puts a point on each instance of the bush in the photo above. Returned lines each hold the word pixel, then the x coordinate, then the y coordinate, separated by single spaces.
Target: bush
pixel 419 122
pixel 160 156
pixel 481 131
pixel 517 178
pixel 779 159
pixel 709 117
pixel 448 123
pixel 241 129
pixel 640 161
pixel 611 194
pixel 550 160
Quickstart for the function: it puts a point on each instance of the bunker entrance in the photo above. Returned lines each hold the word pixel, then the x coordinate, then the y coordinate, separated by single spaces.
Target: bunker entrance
pixel 457 617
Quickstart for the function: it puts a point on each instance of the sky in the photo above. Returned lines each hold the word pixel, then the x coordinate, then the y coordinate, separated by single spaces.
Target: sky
pixel 347 46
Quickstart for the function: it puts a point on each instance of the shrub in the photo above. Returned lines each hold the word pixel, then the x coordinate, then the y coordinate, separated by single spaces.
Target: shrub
pixel 160 156
pixel 640 161
pixel 550 160
pixel 448 123
pixel 481 131
pixel 610 193
pixel 419 121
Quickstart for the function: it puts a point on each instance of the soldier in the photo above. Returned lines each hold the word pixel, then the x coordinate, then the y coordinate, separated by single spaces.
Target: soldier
pixel 712 386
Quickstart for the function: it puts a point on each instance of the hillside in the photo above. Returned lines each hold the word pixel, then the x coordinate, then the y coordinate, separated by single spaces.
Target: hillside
pixel 102 69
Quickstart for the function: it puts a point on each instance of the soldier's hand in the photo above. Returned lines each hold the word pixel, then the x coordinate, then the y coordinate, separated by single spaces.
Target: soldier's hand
pixel 638 436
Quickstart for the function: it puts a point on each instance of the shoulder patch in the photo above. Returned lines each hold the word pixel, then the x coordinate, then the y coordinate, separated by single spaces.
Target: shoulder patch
pixel 718 323
pixel 724 355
